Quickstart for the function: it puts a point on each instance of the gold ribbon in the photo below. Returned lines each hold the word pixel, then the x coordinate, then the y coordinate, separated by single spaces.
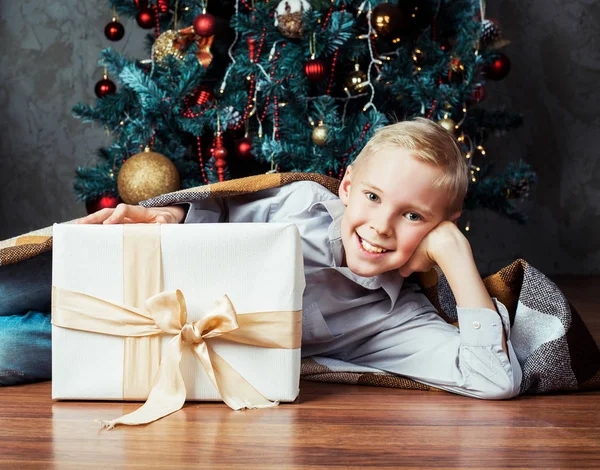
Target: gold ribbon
pixel 166 313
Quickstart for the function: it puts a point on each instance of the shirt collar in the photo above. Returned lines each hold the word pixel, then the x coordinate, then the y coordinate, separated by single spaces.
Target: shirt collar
pixel 390 281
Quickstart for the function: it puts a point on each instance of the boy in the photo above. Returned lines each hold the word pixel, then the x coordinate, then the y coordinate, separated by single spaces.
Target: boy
pixel 396 213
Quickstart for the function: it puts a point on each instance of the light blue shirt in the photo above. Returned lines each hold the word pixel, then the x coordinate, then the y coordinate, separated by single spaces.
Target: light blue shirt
pixel 380 321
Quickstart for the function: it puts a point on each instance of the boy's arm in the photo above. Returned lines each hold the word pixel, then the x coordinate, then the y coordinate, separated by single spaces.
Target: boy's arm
pixel 454 256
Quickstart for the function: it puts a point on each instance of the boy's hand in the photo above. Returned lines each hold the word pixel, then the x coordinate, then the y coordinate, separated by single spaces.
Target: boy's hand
pixel 130 214
pixel 425 255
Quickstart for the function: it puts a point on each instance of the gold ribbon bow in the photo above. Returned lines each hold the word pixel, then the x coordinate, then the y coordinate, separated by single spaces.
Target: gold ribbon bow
pixel 166 313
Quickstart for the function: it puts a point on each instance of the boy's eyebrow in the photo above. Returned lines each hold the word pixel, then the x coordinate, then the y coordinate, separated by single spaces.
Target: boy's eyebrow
pixel 372 186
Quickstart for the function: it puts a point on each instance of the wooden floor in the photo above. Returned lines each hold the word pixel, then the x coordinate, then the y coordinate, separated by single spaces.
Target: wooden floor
pixel 329 426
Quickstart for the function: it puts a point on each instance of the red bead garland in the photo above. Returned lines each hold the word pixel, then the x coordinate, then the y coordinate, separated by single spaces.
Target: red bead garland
pixel 199 146
pixel 352 149
pixel 276 106
pixel 430 113
pixel 333 64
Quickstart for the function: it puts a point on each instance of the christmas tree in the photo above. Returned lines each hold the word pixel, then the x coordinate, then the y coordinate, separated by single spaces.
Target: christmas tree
pixel 242 87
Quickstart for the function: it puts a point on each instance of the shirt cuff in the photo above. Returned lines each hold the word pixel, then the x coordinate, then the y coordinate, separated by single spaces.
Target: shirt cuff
pixel 483 326
pixel 187 206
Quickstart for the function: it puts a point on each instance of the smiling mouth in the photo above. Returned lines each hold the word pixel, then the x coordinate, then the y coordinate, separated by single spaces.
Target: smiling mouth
pixel 368 247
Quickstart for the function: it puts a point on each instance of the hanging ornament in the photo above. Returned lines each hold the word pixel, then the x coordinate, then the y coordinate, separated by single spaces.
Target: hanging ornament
pixel 219 153
pixel 163 6
pixel 251 47
pixel 456 71
pixel 145 175
pixel 202 95
pixel 176 44
pixel 230 117
pixel 205 25
pixel 387 20
pixel 145 18
pixel 141 4
pixel 243 148
pixel 114 30
pixel 499 68
pixel 448 124
pixel 319 134
pixel 356 79
pixel 288 17
pixel 314 70
pixel 478 94
pixel 418 57
pixel 105 87
pixel 104 202
pixel 491 36
pixel 168 44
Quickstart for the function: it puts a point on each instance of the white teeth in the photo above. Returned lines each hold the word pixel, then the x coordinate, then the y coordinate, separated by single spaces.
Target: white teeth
pixel 367 246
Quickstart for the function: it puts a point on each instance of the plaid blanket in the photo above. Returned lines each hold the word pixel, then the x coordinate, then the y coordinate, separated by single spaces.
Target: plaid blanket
pixel 554 347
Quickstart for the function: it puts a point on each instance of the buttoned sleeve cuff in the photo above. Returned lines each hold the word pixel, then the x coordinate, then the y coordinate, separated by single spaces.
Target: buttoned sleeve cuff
pixel 483 326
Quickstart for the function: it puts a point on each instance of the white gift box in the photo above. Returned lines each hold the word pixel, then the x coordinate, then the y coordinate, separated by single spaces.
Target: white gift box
pixel 258 265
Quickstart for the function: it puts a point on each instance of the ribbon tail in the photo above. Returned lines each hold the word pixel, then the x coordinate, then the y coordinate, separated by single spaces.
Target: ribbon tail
pixel 235 391
pixel 167 395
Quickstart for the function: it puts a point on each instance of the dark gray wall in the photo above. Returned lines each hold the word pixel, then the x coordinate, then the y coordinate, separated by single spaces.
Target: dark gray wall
pixel 49 63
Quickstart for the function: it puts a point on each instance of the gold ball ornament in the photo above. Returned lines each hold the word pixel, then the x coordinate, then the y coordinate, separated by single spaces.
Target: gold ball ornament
pixel 146 175
pixel 319 134
pixel 356 80
pixel 448 124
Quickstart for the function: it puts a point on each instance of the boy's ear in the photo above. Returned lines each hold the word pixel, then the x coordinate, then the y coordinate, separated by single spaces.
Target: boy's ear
pixel 344 189
pixel 454 217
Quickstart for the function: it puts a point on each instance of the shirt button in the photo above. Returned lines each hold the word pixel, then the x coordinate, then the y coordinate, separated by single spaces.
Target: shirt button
pixel 476 325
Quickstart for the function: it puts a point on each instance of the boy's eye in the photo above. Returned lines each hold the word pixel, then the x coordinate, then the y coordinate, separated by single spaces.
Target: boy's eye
pixel 416 217
pixel 372 196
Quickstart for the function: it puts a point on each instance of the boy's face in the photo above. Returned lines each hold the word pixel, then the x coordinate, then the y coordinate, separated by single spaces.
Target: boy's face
pixel 390 204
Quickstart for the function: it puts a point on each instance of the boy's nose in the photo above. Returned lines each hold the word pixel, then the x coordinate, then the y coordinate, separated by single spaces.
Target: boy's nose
pixel 382 229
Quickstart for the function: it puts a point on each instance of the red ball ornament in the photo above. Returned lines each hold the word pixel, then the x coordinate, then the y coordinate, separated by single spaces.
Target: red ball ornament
pixel 104 202
pixel 314 70
pixel 105 87
pixel 163 6
pixel 205 25
pixel 499 68
pixel 243 148
pixel 114 31
pixel 145 18
pixel 220 153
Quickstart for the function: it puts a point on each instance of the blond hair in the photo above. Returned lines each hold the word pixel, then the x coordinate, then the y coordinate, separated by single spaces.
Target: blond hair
pixel 430 143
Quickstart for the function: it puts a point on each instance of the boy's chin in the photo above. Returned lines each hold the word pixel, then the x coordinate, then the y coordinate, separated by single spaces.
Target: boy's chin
pixel 365 271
